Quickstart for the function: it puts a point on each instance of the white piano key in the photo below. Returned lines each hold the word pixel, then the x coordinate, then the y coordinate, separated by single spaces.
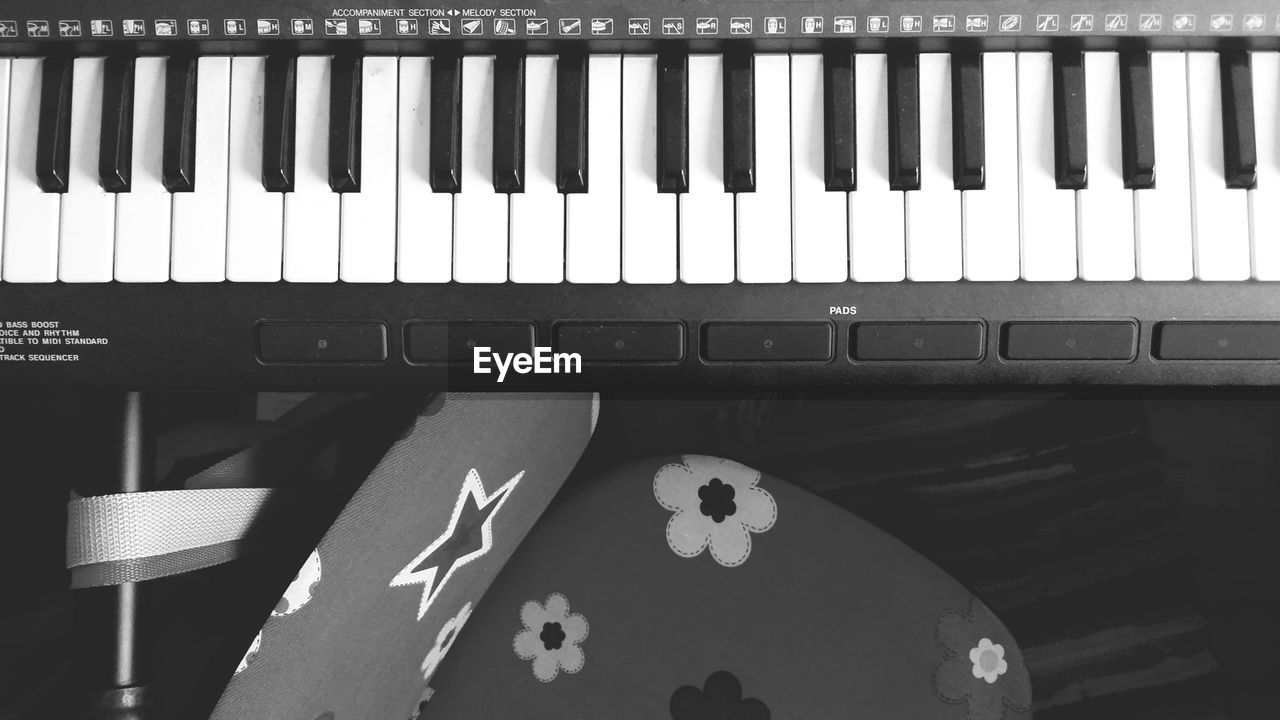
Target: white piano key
pixel 424 233
pixel 648 217
pixel 537 214
pixel 593 230
pixel 311 211
pixel 200 216
pixel 1105 239
pixel 144 214
pixel 5 67
pixel 86 228
pixel 934 249
pixel 820 219
pixel 764 217
pixel 255 217
pixel 31 215
pixel 706 211
pixel 1220 215
pixel 877 214
pixel 990 215
pixel 480 212
pixel 1048 215
pixel 368 234
pixel 1164 212
pixel 1264 200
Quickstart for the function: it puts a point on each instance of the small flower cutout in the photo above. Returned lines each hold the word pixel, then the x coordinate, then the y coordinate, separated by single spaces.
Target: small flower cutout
pixel 988 661
pixel 720 698
pixel 982 667
pixel 444 641
pixel 717 505
pixel 550 637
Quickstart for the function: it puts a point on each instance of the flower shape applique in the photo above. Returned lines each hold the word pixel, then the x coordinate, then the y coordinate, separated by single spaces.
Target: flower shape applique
pixel 302 589
pixel 250 654
pixel 719 699
pixel 444 641
pixel 982 667
pixel 550 637
pixel 717 504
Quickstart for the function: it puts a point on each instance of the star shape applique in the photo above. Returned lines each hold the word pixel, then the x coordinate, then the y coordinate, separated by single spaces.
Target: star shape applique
pixel 468 536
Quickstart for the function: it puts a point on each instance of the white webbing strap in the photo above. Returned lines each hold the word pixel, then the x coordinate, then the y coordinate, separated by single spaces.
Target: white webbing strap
pixel 138 536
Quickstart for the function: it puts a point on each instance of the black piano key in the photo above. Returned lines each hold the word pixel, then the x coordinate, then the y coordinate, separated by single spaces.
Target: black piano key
pixel 279 112
pixel 344 124
pixel 839 121
pixel 115 150
pixel 446 124
pixel 1239 144
pixel 1070 148
pixel 178 164
pixel 53 137
pixel 508 124
pixel 572 174
pixel 739 123
pixel 904 121
pixel 968 143
pixel 1137 122
pixel 673 122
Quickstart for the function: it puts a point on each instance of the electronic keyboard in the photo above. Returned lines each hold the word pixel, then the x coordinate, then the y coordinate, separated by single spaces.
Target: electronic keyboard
pixel 574 194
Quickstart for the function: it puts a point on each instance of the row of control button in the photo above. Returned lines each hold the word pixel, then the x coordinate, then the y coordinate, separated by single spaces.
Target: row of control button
pixel 664 342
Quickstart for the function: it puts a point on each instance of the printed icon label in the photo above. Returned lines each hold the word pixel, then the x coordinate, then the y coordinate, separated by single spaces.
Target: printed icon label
pixel 38 28
pixel 944 23
pixel 369 27
pixel 9 28
pixel 639 26
pixel 602 26
pixel 1150 22
pixel 406 26
pixel 537 26
pixel 269 26
pixel 1047 23
pixel 976 23
pixel 1010 23
pixel 1184 22
pixel 302 26
pixel 335 27
pixel 741 26
pixel 910 23
pixel 775 25
pixel 472 27
pixel 811 25
pixel 1116 23
pixel 440 26
pixel 504 26
pixel 1081 23
pixel 1254 23
pixel 707 26
pixel 672 26
pixel 166 28
pixel 845 25
pixel 198 28
pixel 69 28
pixel 1221 23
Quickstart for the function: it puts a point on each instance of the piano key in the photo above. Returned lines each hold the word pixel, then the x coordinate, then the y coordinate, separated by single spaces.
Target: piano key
pixel 821 225
pixel 739 123
pixel 31 214
pixel 424 226
pixel 53 144
pixel 86 225
pixel 344 123
pixel 706 211
pixel 1071 151
pixel 446 124
pixel 1163 211
pixel 180 124
pixel 673 122
pixel 1048 213
pixel 144 213
pixel 877 213
pixel 537 214
pixel 115 154
pixel 1264 198
pixel 6 66
pixel 508 124
pixel 572 97
pixel 593 220
pixel 368 233
pixel 968 136
pixel 200 215
pixel 1220 214
pixel 934 248
pixel 904 121
pixel 1105 207
pixel 1238 141
pixel 312 210
pixel 839 127
pixel 763 216
pixel 279 117
pixel 990 214
pixel 480 211
pixel 649 223
pixel 1137 127
pixel 255 215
